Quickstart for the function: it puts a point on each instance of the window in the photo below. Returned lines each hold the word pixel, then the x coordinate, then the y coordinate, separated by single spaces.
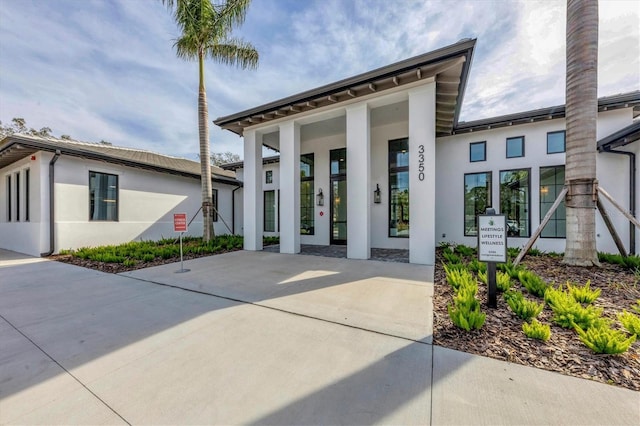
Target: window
pixel 515 147
pixel 399 188
pixel 9 198
pixel 103 196
pixel 551 184
pixel 514 201
pixel 18 197
pixel 307 196
pixel 214 201
pixel 477 197
pixel 555 142
pixel 477 151
pixel 268 178
pixel 269 211
pixel 27 180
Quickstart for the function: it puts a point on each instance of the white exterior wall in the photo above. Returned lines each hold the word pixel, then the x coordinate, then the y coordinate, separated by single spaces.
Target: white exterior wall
pixel 146 204
pixel 452 163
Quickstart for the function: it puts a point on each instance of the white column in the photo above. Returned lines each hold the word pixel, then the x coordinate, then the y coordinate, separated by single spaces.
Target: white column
pixel 253 198
pixel 290 187
pixel 422 174
pixel 358 182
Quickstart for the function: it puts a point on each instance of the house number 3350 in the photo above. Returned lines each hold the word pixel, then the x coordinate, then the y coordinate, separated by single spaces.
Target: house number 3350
pixel 421 162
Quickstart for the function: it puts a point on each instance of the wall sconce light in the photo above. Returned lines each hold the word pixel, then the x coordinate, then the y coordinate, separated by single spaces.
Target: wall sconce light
pixel 320 198
pixel 376 195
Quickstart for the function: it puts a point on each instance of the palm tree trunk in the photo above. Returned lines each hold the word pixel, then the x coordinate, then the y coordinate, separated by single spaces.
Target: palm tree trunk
pixel 581 116
pixel 205 167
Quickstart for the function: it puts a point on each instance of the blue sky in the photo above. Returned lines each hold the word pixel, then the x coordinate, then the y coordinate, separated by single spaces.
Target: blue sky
pixel 106 69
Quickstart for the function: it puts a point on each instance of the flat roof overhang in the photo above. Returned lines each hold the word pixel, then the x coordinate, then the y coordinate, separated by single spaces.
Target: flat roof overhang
pixel 448 65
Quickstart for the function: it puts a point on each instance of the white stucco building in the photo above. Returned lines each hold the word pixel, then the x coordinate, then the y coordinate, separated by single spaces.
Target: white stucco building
pixel 61 194
pixel 380 160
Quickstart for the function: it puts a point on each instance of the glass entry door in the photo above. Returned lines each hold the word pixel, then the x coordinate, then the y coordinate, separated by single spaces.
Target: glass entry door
pixel 338 173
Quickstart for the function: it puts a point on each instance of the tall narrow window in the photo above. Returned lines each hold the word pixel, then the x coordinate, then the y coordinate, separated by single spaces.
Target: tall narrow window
pixel 9 198
pixel 307 196
pixel 214 200
pixel 399 188
pixel 103 196
pixel 27 185
pixel 515 147
pixel 477 197
pixel 269 211
pixel 514 201
pixel 477 151
pixel 551 184
pixel 268 176
pixel 18 197
pixel 555 142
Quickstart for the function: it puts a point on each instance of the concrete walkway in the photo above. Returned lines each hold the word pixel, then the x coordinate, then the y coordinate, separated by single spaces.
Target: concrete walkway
pixel 259 338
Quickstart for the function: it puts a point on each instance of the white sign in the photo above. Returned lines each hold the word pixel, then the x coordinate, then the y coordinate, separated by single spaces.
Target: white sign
pixel 492 238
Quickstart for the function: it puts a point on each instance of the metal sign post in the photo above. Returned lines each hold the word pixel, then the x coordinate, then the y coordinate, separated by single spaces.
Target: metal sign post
pixel 492 248
pixel 180 225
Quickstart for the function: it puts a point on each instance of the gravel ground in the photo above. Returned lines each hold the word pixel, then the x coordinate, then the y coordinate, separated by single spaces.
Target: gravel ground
pixel 502 338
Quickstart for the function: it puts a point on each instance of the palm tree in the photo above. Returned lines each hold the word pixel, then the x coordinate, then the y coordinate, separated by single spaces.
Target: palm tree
pixel 206 26
pixel 581 116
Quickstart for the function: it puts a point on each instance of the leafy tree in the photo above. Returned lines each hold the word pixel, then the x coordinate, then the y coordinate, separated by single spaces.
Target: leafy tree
pixel 206 26
pixel 581 117
pixel 220 158
pixel 19 125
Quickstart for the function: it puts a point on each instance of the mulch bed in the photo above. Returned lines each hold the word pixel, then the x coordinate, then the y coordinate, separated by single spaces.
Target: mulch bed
pixel 502 338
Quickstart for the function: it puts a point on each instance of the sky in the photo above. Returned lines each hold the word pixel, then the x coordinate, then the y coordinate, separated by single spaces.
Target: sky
pixel 107 70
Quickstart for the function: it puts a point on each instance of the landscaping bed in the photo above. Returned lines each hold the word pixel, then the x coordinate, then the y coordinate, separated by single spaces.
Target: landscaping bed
pixel 502 337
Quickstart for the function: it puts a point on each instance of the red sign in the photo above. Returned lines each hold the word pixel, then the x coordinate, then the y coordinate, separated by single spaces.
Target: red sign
pixel 180 222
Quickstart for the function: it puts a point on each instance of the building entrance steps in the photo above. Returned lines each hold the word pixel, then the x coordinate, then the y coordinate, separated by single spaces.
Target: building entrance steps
pixel 340 251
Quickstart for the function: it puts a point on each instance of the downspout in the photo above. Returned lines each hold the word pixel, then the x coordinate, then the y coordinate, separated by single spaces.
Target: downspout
pixel 52 235
pixel 233 210
pixel 632 195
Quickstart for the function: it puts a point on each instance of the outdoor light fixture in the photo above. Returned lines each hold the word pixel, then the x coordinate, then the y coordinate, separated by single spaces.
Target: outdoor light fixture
pixel 376 195
pixel 320 198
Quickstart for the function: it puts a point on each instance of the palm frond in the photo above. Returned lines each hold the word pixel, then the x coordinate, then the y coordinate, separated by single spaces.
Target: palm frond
pixel 234 52
pixel 231 13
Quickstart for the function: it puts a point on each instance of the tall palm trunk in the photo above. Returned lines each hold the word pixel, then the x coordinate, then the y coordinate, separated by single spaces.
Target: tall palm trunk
pixel 581 116
pixel 205 167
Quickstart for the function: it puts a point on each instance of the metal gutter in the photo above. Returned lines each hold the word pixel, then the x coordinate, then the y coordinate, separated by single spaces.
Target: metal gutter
pixel 52 222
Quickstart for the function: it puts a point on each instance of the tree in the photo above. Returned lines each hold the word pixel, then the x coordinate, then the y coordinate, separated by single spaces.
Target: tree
pixel 19 125
pixel 205 27
pixel 581 116
pixel 220 158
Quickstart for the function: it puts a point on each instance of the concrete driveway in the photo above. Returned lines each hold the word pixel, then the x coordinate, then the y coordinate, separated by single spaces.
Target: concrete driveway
pixel 258 338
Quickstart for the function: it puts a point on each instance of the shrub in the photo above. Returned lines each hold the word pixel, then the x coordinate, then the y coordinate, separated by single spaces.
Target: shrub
pixel 129 262
pixel 476 266
pixel 536 330
pixel 459 277
pixel 513 252
pixel 463 250
pixel 510 269
pixel 583 294
pixel 568 313
pixel 629 262
pixel 523 308
pixel 630 321
pixel 503 281
pixel 465 312
pixel 602 339
pixel 636 307
pixel 148 257
pixel 534 252
pixel 451 257
pixel 533 283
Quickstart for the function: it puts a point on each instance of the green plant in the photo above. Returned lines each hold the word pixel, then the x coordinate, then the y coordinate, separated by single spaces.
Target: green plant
pixel 463 250
pixel 630 321
pixel 568 313
pixel 534 252
pixel 523 308
pixel 533 283
pixel 629 262
pixel 636 307
pixel 459 277
pixel 476 266
pixel 465 312
pixel 602 339
pixel 536 330
pixel 129 262
pixel 451 257
pixel 583 294
pixel 503 281
pixel 513 252
pixel 510 269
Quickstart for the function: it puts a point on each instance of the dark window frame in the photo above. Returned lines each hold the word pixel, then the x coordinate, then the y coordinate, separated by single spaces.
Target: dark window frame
pixel 464 201
pixel 264 212
pixel 484 153
pixel 27 190
pixel 522 138
pixel 214 201
pixel 564 144
pixel 268 176
pixel 9 187
pixel 117 199
pixel 392 170
pixel 310 178
pixel 17 179
pixel 528 169
pixel 540 203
